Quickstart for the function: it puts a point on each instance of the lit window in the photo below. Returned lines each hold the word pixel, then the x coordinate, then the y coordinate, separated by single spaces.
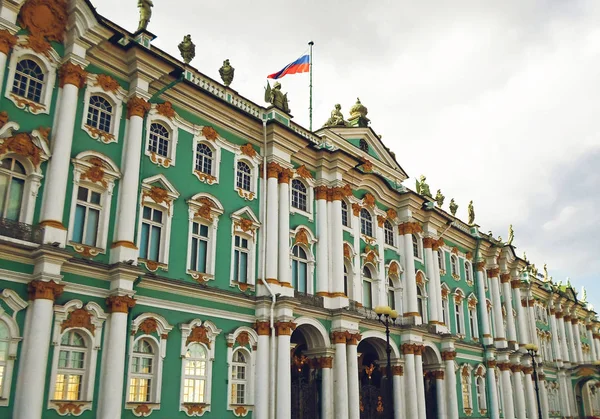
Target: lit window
pixel 367 286
pixel 100 113
pixel 194 380
pixel 299 195
pixel 345 219
pixel 159 140
pixel 366 223
pixel 391 296
pixel 199 247
pixel 454 265
pixel 240 259
pixel 142 372
pixel 71 367
pixel 243 176
pixel 87 216
pixel 299 269
pixel 416 249
pixel 29 80
pixel 12 185
pixel 363 145
pixel 152 227
pixel 204 159
pixel 388 233
pixel 239 377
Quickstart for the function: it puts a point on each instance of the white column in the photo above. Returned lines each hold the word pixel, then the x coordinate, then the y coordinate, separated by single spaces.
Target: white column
pixel 112 378
pixel 261 395
pixel 272 246
pixel 570 339
pixel 434 290
pixel 323 243
pixel 508 406
pixel 380 262
pixel 436 278
pixel 411 309
pixel 352 362
pixel 31 379
pixel 419 381
pixel 337 243
pixel 563 337
pixel 484 320
pixel 440 394
pixel 511 332
pixel 543 396
pixel 123 247
pixel 340 380
pixel 590 337
pixel 493 406
pixel 577 336
pixel 410 387
pixel 519 392
pixel 284 271
pixel 532 325
pixel 523 326
pixel 530 396
pixel 284 374
pixel 326 388
pixel 597 344
pixel 571 395
pixel 450 375
pixel 500 336
pixel 563 393
pixel 72 78
pixel 398 386
pixel 556 349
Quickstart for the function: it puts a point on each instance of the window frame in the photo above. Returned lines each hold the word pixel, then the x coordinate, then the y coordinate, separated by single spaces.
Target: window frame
pixel 459 314
pixel 389 233
pixel 370 280
pixel 468 410
pixel 15 303
pixel 480 391
pixel 297 259
pixel 244 224
pixel 473 320
pixel 454 267
pixel 417 247
pixel 365 223
pixel 155 117
pixel 11 174
pixel 237 341
pixel 211 178
pixel 253 162
pixel 116 97
pixel 300 194
pixel 348 224
pixel 310 199
pixel 206 210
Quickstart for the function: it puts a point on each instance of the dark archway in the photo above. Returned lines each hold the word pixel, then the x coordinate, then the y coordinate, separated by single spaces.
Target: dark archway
pixel 374 402
pixel 305 374
pixel 431 367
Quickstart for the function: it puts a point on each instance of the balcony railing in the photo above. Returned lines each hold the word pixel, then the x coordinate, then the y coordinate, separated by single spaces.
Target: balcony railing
pixel 309 299
pixel 20 231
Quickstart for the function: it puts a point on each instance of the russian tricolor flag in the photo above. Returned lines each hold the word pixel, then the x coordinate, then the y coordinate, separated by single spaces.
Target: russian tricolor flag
pixel 301 65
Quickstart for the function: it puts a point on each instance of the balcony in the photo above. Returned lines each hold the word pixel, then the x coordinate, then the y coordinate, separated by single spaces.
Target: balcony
pixel 20 231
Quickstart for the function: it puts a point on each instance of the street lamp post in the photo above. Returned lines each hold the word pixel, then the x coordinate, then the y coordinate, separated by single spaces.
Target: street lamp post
pixel 531 350
pixel 387 316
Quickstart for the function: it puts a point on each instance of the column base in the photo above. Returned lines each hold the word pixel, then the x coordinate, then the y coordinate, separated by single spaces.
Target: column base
pixel 500 343
pixel 487 340
pixel 124 251
pixel 54 233
pixel 333 303
pixel 412 319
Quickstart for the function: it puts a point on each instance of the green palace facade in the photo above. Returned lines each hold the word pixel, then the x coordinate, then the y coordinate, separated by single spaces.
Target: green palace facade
pixel 170 249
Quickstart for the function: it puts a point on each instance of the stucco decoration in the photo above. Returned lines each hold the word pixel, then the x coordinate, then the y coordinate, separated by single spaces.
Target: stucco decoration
pixel 158 195
pixel 136 106
pixel 209 133
pixel 44 19
pixel 303 172
pixel 32 146
pixel 7 41
pixel 166 110
pixel 248 150
pixel 366 165
pixel 70 73
pixel 301 237
pixel 107 83
pixel 95 173
pixel 79 318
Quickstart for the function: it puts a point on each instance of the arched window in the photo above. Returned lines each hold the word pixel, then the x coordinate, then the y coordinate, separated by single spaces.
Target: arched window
pixel 480 388
pixel 4 342
pixel 299 269
pixel 143 370
pixel 71 366
pixel 345 219
pixel 391 296
pixel 194 370
pixel 367 286
pixel 243 176
pixel 363 145
pixel 159 140
pixel 416 249
pixel 12 185
pixel 29 80
pixel 454 265
pixel 100 113
pixel 204 159
pixel 388 232
pixel 299 195
pixel 239 377
pixel 468 275
pixel 445 316
pixel 366 223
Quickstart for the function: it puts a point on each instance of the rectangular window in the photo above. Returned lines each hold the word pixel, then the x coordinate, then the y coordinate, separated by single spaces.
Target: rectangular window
pixel 458 314
pixel 444 311
pixel 87 216
pixel 199 247
pixel 240 260
pixel 152 225
pixel 473 323
pixel 299 275
pixel 367 294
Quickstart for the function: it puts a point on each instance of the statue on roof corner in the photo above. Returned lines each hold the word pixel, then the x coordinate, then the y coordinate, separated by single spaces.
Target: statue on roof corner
pixel 337 118
pixel 471 213
pixel 453 207
pixel 187 49
pixel 546 277
pixel 226 72
pixel 439 198
pixel 145 13
pixel 276 98
pixel 511 235
pixel 423 187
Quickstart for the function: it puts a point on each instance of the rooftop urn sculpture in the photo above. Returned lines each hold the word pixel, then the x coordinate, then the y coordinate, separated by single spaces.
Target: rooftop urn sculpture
pixel 145 7
pixel 276 98
pixel 227 72
pixel 453 207
pixel 471 213
pixel 423 187
pixel 439 198
pixel 336 119
pixel 358 115
pixel 187 49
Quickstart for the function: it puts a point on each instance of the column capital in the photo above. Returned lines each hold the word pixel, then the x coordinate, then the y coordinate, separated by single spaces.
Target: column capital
pixel 352 338
pixel 567 318
pixel 438 374
pixel 493 272
pixel 262 328
pixel 273 170
pixel 527 370
pixel 323 362
pixel 339 336
pixel 541 376
pixel 574 320
pixel 120 303
pixel 137 106
pixel 504 366
pixel 505 278
pixel 480 266
pixel 7 41
pixel 397 370
pixel 515 368
pixel 435 246
pixel 283 328
pixel 321 192
pixel 419 350
pixel 428 242
pixel 588 327
pixel 338 192
pixel 410 228
pixel 71 73
pixel 449 355
pixel 285 175
pixel 515 284
pixel 44 290
pixel 408 348
pixel 491 363
pixel 558 314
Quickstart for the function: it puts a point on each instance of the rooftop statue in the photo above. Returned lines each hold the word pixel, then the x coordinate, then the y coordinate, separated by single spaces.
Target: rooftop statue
pixel 423 187
pixel 187 49
pixel 471 214
pixel 276 98
pixel 439 198
pixel 500 239
pixel 336 119
pixel 583 294
pixel 453 207
pixel 546 277
pixel 525 257
pixel 511 235
pixel 145 13
pixel 226 72
pixel 534 270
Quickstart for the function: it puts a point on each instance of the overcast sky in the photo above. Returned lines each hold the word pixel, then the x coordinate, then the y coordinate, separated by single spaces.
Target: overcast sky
pixel 498 102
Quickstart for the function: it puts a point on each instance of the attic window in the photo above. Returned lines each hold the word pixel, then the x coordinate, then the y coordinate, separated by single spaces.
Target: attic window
pixel 362 144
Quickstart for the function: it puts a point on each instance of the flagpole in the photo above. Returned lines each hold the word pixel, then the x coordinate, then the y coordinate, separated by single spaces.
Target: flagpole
pixel 310 107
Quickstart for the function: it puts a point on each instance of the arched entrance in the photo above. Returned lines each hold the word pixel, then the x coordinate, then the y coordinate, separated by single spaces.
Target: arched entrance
pixel 306 341
pixel 374 389
pixel 432 365
pixel 585 398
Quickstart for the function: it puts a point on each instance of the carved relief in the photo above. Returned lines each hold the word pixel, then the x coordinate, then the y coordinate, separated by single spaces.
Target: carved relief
pixel 142 410
pixel 472 302
pixel 248 150
pixel 243 339
pixel 240 411
pixel 148 326
pixel 74 74
pixel 86 251
pixel 158 195
pixel 347 251
pixel 394 270
pixel 44 290
pixel 199 334
pixel 380 220
pixel 3 118
pixel 95 173
pixel 367 166
pixel 420 279
pixel 301 237
pixel 209 133
pixel 262 328
pixel 39 45
pixel 26 104
pixel 303 172
pixel 136 106
pixel 106 83
pixel 245 225
pixel 391 214
pixel 204 177
pixel 285 328
pixel 454 250
pixel 204 211
pixel 356 209
pixel 79 318
pixel 98 134
pixel 166 110
pixel 22 145
pixel 194 409
pixel 69 408
pixel 7 41
pixel 369 200
pixel 44 19
pixel 469 255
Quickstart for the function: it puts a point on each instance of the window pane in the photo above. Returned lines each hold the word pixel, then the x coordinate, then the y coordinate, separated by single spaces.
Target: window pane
pixel 92 227
pixel 302 277
pixel 145 236
pixel 236 265
pixel 367 294
pixel 78 224
pixel 154 243
pixel 3 189
pixel 202 245
pixel 15 199
pixel 243 267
